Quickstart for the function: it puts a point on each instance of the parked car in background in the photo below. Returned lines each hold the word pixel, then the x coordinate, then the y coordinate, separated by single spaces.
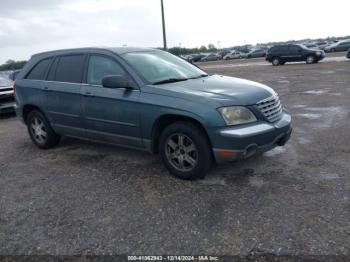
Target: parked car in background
pixel 14 74
pixel 311 45
pixel 150 100
pixel 322 44
pixel 235 55
pixel 186 57
pixel 210 57
pixel 348 54
pixel 196 57
pixel 7 99
pixel 280 54
pixel 223 53
pixel 256 53
pixel 340 46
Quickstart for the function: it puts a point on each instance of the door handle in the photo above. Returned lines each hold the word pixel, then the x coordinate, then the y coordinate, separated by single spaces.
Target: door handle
pixel 47 89
pixel 88 94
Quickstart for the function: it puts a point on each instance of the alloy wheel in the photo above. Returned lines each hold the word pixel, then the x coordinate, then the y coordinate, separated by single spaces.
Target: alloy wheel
pixel 37 127
pixel 181 152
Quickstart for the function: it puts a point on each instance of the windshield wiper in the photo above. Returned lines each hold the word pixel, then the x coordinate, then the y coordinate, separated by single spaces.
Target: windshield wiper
pixel 200 76
pixel 169 80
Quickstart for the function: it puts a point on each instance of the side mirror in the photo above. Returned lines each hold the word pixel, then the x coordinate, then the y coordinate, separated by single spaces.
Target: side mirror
pixel 117 81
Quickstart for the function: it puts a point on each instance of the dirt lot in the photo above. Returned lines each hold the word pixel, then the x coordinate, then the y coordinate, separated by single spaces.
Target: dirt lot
pixel 88 198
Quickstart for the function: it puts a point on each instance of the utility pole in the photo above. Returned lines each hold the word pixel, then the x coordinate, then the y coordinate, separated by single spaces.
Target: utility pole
pixel 163 22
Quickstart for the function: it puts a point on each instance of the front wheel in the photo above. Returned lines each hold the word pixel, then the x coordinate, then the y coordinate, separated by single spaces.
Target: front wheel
pixel 40 131
pixel 185 150
pixel 310 59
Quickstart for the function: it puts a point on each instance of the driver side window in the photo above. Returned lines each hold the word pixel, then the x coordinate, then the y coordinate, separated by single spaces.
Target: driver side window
pixel 100 66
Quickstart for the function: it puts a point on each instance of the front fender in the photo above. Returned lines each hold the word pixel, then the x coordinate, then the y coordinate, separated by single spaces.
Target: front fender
pixel 155 106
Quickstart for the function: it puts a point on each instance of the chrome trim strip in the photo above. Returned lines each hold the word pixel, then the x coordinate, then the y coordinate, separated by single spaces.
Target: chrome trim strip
pixel 272 97
pixel 63 114
pixel 247 131
pixel 110 121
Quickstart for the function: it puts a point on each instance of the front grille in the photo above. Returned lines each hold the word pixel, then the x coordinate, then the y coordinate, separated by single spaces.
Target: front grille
pixel 271 108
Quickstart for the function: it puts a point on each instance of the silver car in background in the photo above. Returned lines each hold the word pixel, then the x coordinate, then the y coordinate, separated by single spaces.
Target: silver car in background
pixel 7 98
pixel 235 55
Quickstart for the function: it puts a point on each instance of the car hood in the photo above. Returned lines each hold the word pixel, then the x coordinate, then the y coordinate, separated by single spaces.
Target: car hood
pixel 220 90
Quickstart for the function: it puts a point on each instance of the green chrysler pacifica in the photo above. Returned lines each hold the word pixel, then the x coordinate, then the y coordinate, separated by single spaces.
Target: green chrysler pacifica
pixel 150 100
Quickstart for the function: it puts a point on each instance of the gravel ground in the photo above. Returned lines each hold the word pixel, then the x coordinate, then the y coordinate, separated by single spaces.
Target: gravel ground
pixel 87 198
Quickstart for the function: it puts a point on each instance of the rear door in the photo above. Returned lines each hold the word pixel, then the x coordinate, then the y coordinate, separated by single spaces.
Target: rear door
pixel 30 89
pixel 62 100
pixel 110 114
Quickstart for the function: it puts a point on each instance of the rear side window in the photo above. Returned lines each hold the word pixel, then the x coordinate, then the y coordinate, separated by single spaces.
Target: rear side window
pixel 100 66
pixel 39 70
pixel 70 69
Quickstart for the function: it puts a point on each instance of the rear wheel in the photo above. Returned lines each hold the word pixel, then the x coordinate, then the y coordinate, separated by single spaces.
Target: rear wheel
pixel 276 61
pixel 40 130
pixel 185 150
pixel 310 59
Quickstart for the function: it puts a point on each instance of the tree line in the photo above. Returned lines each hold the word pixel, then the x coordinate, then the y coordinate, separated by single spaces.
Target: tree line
pixel 12 65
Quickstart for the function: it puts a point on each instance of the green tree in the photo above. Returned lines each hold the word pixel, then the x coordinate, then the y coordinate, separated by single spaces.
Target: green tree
pixel 203 49
pixel 12 65
pixel 211 47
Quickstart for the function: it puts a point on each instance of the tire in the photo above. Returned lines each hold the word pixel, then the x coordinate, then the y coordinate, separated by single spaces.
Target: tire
pixel 310 59
pixel 276 61
pixel 188 157
pixel 40 130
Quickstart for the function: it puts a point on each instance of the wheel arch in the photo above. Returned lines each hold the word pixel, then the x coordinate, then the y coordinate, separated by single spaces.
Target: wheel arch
pixel 27 109
pixel 165 120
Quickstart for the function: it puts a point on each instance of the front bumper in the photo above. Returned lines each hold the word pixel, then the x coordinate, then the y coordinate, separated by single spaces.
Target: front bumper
pixel 7 107
pixel 233 143
pixel 321 57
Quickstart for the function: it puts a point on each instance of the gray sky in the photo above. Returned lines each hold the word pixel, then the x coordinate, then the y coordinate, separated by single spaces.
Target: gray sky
pixel 28 27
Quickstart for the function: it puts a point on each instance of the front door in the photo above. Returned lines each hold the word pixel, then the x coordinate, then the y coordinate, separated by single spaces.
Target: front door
pixel 110 115
pixel 296 53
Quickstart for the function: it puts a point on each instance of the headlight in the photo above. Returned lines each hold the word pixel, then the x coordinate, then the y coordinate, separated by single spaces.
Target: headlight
pixel 318 53
pixel 235 115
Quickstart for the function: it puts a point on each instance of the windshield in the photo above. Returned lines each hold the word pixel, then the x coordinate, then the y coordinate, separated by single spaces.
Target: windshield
pixel 159 67
pixel 4 82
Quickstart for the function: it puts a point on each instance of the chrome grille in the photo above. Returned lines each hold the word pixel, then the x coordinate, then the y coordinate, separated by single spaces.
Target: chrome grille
pixel 271 108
